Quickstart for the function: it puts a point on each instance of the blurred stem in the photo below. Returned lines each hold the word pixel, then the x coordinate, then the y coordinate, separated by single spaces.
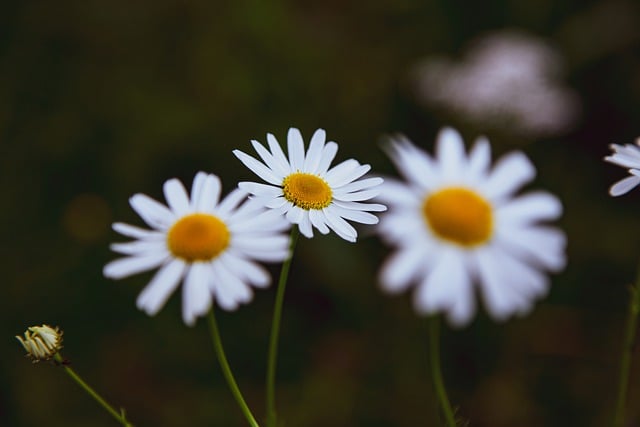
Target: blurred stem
pixel 627 351
pixel 272 356
pixel 226 370
pixel 120 416
pixel 436 373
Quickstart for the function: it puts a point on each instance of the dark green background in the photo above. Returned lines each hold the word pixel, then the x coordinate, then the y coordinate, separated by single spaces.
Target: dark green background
pixel 103 99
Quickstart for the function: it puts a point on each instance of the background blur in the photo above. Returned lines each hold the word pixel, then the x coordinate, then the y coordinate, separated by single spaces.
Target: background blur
pixel 100 100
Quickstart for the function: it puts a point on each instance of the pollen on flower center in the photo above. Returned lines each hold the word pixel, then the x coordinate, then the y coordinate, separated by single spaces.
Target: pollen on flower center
pixel 198 237
pixel 307 191
pixel 459 215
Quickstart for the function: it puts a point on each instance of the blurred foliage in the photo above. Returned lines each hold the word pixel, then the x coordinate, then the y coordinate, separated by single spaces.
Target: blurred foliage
pixel 101 100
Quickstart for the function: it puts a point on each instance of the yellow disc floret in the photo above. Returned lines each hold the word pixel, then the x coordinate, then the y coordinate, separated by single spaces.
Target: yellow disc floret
pixel 459 215
pixel 198 237
pixel 307 191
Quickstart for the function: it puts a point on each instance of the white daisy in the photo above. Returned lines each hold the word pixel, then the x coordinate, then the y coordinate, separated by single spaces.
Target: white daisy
pixel 627 156
pixel 457 224
pixel 306 191
pixel 211 244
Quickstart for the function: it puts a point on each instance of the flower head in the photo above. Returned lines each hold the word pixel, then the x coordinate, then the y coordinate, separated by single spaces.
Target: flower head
pixel 212 245
pixel 306 191
pixel 627 156
pixel 508 79
pixel 41 342
pixel 457 223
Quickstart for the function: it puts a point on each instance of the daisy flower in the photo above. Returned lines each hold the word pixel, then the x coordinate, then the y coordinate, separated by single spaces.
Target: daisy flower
pixel 306 191
pixel 627 156
pixel 458 224
pixel 209 244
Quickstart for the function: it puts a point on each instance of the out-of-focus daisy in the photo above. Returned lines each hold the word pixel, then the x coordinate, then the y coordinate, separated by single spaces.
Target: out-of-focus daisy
pixel 627 156
pixel 306 191
pixel 458 224
pixel 212 245
pixel 508 79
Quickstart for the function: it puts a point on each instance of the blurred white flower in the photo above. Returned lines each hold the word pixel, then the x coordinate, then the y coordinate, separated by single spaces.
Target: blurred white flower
pixel 506 79
pixel 306 191
pixel 458 224
pixel 209 243
pixel 627 156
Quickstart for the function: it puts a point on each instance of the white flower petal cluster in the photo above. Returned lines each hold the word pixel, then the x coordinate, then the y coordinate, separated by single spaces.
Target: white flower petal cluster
pixel 507 266
pixel 627 156
pixel 326 197
pixel 507 79
pixel 251 234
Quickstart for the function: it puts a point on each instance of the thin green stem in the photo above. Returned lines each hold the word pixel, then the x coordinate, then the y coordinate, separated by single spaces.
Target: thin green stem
pixel 272 356
pixel 226 370
pixel 120 416
pixel 436 373
pixel 627 350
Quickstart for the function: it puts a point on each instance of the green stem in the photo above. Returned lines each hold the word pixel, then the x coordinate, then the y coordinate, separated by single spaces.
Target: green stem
pixel 226 370
pixel 627 350
pixel 436 373
pixel 275 332
pixel 120 416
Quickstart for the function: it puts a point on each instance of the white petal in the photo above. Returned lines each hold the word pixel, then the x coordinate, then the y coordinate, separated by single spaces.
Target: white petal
pixel 278 154
pixel 196 297
pixel 624 186
pixel 397 193
pixel 250 271
pixel 124 267
pixel 139 247
pixel 276 166
pixel 196 188
pixel 509 174
pixel 358 185
pixel 294 215
pixel 414 164
pixel 158 291
pixel 231 290
pixel 358 196
pixel 317 219
pixel 260 189
pixel 258 168
pixel 479 159
pixel 231 202
pixel 356 206
pixel 340 226
pixel 314 153
pixel 252 244
pixel 153 213
pixel 266 221
pixel 529 208
pixel 404 266
pixel 435 293
pixel 176 196
pixel 295 146
pixel 345 172
pixel 544 246
pixel 137 232
pixel 209 195
pixel 450 152
pixel 357 216
pixel 305 225
pixel 328 154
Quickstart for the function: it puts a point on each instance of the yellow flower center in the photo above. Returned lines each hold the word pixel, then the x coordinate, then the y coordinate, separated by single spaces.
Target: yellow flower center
pixel 307 191
pixel 459 215
pixel 198 237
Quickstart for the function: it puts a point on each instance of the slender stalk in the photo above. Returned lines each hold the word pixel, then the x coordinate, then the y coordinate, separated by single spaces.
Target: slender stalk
pixel 272 356
pixel 120 416
pixel 627 351
pixel 436 373
pixel 226 370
